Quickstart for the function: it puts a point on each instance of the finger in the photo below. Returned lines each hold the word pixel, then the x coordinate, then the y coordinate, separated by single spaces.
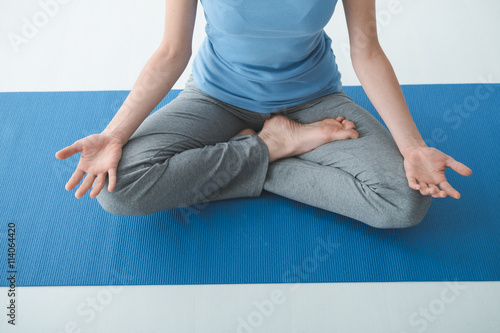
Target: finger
pixel 98 185
pixel 436 192
pixel 424 188
pixel 75 179
pixel 339 119
pixel 112 179
pixel 68 151
pixel 458 167
pixel 432 189
pixel 348 124
pixel 85 186
pixel 449 190
pixel 412 182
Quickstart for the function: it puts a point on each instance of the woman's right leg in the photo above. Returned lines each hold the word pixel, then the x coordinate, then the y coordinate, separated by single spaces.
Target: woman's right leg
pixel 187 152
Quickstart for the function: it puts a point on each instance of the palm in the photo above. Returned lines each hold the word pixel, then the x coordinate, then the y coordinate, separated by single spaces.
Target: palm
pixel 100 155
pixel 425 170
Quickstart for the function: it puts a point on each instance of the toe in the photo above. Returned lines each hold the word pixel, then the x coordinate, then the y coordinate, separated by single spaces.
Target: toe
pixel 348 124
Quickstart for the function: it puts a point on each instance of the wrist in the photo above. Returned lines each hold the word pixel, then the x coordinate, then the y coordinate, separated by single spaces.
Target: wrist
pixel 408 148
pixel 410 143
pixel 115 133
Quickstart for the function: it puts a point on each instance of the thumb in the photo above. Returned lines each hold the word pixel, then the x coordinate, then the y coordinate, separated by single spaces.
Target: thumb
pixel 69 151
pixel 458 167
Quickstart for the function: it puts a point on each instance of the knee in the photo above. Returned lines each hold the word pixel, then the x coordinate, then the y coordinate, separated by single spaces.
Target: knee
pixel 407 211
pixel 412 210
pixel 112 202
pixel 119 203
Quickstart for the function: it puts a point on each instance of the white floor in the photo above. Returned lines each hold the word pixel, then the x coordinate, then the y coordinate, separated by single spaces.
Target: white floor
pixel 92 45
pixel 334 307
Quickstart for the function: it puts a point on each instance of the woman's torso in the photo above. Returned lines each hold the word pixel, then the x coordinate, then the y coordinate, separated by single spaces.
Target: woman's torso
pixel 264 55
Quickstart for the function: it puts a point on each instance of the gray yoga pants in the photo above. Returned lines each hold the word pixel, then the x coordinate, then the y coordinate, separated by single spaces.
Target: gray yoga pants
pixel 188 153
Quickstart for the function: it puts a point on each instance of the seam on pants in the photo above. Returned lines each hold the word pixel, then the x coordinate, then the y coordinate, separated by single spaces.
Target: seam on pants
pixel 232 109
pixel 161 150
pixel 284 162
pixel 335 107
pixel 373 189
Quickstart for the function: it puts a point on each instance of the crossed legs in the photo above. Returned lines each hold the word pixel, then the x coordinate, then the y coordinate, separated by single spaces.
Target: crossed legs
pixel 190 151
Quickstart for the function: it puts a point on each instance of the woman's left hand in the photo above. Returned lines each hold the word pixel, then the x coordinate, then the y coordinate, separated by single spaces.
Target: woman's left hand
pixel 425 167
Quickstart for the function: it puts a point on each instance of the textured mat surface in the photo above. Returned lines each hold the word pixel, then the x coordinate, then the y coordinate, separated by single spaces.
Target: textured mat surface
pixel 64 241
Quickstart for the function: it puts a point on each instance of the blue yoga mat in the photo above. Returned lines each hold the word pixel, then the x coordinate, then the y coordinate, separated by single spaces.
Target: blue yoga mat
pixel 60 240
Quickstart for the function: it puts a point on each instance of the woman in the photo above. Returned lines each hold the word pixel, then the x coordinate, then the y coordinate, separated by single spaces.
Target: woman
pixel 266 67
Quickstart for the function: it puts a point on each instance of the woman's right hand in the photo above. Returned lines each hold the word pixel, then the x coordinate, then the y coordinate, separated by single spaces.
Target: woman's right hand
pixel 100 154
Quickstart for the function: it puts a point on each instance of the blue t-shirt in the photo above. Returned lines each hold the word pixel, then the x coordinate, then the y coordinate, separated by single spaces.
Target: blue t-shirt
pixel 264 55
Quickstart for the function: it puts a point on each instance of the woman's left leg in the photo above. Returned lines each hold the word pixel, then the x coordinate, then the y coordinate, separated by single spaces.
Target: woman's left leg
pixel 360 178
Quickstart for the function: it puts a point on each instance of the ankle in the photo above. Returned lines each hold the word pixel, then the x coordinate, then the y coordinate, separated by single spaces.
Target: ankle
pixel 275 148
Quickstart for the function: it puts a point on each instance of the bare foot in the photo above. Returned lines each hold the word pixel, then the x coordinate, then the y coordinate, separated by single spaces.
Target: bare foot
pixel 285 137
